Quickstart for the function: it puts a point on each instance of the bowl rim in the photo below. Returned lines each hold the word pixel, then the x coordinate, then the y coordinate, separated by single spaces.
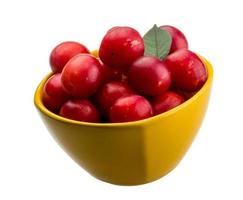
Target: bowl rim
pixel 39 105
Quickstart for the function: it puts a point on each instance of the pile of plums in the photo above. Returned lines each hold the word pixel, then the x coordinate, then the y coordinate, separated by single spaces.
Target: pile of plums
pixel 121 84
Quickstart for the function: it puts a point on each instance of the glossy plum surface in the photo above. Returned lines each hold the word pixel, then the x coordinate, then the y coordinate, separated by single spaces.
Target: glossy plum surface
pixel 81 110
pixel 188 71
pixel 82 76
pixel 53 95
pixel 149 76
pixel 63 52
pixel 120 47
pixel 166 101
pixel 130 108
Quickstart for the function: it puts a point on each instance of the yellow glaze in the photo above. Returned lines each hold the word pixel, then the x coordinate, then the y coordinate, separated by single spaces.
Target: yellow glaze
pixel 95 53
pixel 130 153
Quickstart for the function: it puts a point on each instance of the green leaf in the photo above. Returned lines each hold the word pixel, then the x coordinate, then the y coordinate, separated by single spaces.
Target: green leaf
pixel 157 42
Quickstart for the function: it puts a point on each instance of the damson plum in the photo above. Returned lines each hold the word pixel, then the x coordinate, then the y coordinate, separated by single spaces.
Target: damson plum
pixel 149 76
pixel 120 47
pixel 166 101
pixel 81 76
pixel 81 110
pixel 130 108
pixel 179 40
pixel 53 95
pixel 188 71
pixel 63 52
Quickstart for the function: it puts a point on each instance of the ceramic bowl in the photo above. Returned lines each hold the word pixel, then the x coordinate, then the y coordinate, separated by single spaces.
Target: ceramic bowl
pixel 130 153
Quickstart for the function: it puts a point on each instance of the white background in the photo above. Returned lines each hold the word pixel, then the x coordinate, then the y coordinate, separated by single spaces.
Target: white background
pixel 33 166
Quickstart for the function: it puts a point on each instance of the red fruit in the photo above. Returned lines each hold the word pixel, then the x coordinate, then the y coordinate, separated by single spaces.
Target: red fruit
pixel 81 110
pixel 179 40
pixel 149 76
pixel 120 47
pixel 188 71
pixel 130 108
pixel 109 93
pixel 63 52
pixel 166 101
pixel 81 76
pixel 109 73
pixel 53 95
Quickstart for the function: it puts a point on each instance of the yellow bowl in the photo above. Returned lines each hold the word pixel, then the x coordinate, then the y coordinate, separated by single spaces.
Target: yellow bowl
pixel 130 153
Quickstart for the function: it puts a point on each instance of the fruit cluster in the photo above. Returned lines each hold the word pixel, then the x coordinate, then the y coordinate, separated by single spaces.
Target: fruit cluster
pixel 132 78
